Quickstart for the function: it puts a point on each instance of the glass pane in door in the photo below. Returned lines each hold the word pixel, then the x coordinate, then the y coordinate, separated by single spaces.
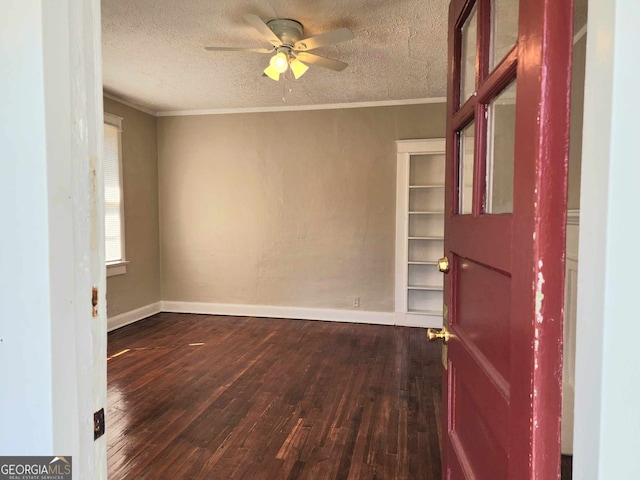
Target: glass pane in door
pixel 465 173
pixel 504 29
pixel 468 56
pixel 501 134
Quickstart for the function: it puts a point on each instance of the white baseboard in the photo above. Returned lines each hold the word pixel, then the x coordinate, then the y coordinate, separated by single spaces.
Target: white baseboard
pixel 128 318
pixel 272 311
pixel 302 313
pixel 422 321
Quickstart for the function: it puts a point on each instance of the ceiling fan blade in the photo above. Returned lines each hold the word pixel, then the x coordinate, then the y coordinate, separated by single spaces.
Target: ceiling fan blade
pixel 329 38
pixel 257 23
pixel 239 49
pixel 329 63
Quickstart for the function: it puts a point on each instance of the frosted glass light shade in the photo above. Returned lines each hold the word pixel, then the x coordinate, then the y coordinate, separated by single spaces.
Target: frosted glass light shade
pixel 272 73
pixel 298 68
pixel 279 62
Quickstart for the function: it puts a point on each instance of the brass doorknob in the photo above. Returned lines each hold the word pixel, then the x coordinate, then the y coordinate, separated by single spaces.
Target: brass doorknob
pixel 434 334
pixel 443 265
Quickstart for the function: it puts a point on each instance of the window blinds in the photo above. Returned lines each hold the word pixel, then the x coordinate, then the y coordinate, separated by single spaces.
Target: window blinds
pixel 112 195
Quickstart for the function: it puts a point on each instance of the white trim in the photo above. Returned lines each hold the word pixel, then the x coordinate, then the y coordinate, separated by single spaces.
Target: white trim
pixel 402 227
pixel 295 108
pixel 116 268
pixel 570 321
pixel 133 316
pixel 113 120
pixel 573 217
pixel 421 321
pixel 52 334
pixel 288 108
pixel 274 311
pixel 405 149
pixel 417 146
pixel 606 440
pixel 128 103
pixel 116 121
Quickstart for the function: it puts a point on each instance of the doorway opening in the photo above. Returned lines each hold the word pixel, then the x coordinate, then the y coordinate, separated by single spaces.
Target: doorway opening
pixel 573 224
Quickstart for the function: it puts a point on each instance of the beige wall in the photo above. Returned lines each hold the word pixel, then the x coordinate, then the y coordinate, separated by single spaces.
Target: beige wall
pixel 289 208
pixel 140 286
pixel 577 111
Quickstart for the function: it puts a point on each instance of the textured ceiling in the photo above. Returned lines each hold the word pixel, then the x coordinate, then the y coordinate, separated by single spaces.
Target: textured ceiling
pixel 153 52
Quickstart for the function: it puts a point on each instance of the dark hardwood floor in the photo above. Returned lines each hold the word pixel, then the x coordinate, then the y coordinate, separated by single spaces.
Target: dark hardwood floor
pixel 566 467
pixel 208 397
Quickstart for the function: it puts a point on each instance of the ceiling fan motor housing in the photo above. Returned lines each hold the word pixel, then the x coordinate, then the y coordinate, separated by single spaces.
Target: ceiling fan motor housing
pixel 287 30
pixel 286 38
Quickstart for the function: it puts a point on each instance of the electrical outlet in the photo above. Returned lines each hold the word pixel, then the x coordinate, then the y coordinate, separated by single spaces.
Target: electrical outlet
pixel 356 302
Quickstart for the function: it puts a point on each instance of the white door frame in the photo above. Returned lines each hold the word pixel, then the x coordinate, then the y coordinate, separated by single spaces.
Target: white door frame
pixel 50 174
pixel 52 344
pixel 606 440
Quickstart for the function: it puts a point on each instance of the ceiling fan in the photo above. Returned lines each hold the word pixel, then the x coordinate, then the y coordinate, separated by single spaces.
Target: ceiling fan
pixel 289 48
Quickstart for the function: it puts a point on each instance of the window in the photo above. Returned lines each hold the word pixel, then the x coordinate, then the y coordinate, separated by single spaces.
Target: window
pixel 113 197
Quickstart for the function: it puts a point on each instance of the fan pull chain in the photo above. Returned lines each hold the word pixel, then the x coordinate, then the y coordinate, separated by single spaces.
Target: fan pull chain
pixel 286 85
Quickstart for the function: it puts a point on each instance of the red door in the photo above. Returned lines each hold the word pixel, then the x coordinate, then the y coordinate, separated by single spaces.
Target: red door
pixel 507 138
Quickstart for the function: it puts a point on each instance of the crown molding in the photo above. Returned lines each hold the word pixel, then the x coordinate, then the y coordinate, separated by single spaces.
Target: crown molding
pixel 296 108
pixel 287 108
pixel 140 108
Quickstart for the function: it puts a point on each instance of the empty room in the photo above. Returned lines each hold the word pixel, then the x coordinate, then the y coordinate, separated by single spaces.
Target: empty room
pixel 317 240
pixel 252 247
pixel 275 239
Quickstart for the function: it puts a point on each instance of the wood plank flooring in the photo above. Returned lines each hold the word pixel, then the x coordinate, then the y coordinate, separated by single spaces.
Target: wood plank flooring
pixel 203 397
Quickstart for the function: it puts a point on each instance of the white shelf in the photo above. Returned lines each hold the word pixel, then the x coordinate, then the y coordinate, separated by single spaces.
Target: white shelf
pixel 420 228
pixel 425 312
pixel 435 288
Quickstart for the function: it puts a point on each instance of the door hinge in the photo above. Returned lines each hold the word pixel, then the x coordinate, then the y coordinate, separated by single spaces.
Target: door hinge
pixel 98 424
pixel 94 301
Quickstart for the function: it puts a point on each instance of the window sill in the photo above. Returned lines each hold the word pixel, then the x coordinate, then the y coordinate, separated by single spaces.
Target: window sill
pixel 116 268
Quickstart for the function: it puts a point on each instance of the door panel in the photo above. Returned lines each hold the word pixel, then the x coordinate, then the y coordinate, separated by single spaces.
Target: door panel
pixel 490 399
pixel 455 468
pixel 504 289
pixel 487 245
pixel 483 312
pixel 486 457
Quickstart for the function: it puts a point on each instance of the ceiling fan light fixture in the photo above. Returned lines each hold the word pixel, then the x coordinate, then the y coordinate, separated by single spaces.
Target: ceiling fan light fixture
pixel 279 62
pixel 288 47
pixel 298 68
pixel 272 73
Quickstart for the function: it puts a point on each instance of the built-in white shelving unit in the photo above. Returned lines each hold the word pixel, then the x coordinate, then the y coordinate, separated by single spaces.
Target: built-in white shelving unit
pixel 419 231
